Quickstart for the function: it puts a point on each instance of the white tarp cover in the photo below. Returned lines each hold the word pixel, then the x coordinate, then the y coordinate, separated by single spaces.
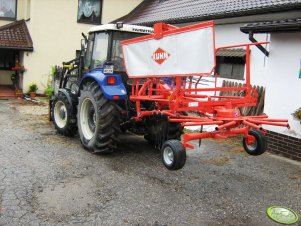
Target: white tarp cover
pixel 187 53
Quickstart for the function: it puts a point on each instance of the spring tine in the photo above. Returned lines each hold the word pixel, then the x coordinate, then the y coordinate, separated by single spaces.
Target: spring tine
pixel 200 140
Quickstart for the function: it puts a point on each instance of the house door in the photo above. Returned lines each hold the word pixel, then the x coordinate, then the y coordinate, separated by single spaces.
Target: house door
pixel 9 80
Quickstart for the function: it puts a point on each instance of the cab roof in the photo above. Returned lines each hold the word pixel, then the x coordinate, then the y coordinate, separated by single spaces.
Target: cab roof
pixel 125 27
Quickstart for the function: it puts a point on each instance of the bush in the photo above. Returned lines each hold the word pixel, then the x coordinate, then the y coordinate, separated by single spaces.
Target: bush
pixel 49 91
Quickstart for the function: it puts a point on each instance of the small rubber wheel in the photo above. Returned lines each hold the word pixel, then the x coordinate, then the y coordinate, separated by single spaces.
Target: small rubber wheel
pixel 259 145
pixel 173 154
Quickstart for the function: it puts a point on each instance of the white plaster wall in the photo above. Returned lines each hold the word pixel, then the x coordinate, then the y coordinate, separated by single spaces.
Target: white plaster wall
pixel 231 35
pixel 56 34
pixel 114 9
pixel 279 72
pixel 283 91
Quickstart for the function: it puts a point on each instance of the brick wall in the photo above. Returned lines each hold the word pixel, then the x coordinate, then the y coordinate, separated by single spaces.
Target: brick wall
pixel 284 145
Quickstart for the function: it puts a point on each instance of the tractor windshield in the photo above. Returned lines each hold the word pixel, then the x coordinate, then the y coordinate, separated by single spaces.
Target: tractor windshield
pixel 99 51
pixel 116 55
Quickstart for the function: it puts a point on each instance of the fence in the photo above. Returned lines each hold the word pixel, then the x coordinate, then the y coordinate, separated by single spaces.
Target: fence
pixel 256 110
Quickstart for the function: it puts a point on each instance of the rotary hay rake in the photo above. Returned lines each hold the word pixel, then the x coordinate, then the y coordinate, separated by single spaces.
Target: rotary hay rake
pixel 162 66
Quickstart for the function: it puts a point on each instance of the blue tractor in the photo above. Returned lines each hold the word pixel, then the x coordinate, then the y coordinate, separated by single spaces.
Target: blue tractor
pixel 91 94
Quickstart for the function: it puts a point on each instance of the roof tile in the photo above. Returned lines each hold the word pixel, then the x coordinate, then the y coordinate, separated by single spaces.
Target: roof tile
pixel 181 11
pixel 15 36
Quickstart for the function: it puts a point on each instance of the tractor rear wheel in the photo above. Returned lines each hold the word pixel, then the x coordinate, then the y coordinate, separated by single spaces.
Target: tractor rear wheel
pixel 64 117
pixel 98 120
pixel 259 145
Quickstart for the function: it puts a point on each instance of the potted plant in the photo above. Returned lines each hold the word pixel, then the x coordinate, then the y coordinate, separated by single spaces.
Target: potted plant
pixel 18 93
pixel 297 114
pixel 33 87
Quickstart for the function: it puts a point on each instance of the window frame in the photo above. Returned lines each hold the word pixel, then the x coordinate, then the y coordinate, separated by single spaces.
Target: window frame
pixel 15 12
pixel 14 55
pixel 89 55
pixel 90 19
pixel 221 60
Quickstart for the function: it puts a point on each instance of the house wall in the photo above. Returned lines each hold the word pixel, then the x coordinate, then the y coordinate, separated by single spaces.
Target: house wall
pixel 56 34
pixel 230 34
pixel 114 9
pixel 56 38
pixel 278 73
pixel 21 12
pixel 283 89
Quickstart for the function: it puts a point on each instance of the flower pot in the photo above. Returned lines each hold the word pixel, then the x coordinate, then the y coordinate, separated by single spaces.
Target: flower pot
pixel 32 95
pixel 19 95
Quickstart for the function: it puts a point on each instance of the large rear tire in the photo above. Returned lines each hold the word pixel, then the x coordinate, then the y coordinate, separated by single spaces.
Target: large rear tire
pixel 98 120
pixel 64 116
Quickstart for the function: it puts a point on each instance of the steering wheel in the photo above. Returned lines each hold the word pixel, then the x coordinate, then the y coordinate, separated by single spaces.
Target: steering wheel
pixel 118 62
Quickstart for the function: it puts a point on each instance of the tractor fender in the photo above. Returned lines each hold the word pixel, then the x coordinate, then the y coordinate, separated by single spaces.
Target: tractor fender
pixel 71 96
pixel 111 92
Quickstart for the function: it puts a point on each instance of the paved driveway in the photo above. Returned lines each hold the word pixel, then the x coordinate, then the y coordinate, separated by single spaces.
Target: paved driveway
pixel 49 179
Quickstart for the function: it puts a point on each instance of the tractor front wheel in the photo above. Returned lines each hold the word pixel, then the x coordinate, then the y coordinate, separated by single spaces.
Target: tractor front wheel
pixel 258 145
pixel 64 117
pixel 98 120
pixel 173 155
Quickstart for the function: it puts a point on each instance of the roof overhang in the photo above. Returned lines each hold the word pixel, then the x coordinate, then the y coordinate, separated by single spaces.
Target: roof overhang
pixel 293 25
pixel 17 48
pixel 231 53
pixel 16 36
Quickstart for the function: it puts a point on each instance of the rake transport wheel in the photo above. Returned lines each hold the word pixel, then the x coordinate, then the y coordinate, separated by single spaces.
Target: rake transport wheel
pixel 259 145
pixel 173 154
pixel 98 120
pixel 64 117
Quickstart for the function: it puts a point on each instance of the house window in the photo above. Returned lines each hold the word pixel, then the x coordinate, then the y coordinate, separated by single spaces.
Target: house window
pixel 7 59
pixel 89 11
pixel 8 9
pixel 230 63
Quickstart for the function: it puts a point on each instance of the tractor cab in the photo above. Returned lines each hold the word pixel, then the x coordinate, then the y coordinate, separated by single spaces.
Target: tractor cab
pixel 104 45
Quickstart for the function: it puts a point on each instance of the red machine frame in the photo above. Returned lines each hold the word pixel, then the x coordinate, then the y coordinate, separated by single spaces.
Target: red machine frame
pixel 183 95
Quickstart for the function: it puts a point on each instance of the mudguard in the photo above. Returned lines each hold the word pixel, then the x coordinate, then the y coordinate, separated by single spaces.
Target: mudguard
pixel 72 99
pixel 111 92
pixel 71 96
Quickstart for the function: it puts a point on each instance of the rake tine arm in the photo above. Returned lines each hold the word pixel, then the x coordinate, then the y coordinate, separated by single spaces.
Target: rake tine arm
pixel 229 124
pixel 252 125
pixel 269 123
pixel 201 123
pixel 271 120
pixel 257 116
